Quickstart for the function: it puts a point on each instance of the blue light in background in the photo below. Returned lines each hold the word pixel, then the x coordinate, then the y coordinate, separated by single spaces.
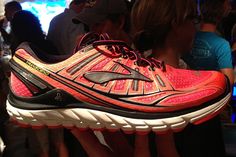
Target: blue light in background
pixel 45 10
pixel 234 92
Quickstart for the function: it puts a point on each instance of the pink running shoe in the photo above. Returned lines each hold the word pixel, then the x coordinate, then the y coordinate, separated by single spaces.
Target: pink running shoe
pixel 106 85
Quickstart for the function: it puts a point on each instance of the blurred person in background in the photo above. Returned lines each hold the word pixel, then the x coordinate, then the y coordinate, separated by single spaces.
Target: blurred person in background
pixel 104 16
pixel 26 27
pixel 113 18
pixel 10 9
pixel 210 52
pixel 63 32
pixel 158 26
pixel 5 54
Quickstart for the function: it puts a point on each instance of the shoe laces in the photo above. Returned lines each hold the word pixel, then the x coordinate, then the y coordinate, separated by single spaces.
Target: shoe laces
pixel 121 49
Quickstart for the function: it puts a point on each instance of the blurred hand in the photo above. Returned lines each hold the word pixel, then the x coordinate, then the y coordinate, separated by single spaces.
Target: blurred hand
pixel 117 144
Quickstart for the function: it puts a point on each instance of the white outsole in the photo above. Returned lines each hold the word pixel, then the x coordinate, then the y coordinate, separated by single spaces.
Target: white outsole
pixel 87 118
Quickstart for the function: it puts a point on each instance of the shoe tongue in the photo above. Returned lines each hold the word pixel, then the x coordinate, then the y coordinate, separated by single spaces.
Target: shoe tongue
pixel 89 38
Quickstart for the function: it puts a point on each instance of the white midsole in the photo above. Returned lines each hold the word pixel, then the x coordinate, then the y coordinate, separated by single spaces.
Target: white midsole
pixel 88 118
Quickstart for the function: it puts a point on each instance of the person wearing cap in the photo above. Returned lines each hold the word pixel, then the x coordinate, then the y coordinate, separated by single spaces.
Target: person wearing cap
pixel 111 17
pixel 105 16
pixel 62 31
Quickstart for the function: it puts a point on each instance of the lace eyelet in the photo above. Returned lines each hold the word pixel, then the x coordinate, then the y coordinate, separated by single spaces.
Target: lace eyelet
pixel 124 56
pixel 151 68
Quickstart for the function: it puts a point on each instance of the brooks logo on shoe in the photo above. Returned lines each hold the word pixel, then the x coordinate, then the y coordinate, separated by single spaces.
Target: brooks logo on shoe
pixel 101 77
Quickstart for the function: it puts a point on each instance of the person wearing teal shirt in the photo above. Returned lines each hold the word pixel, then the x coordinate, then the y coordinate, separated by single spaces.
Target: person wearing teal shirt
pixel 209 52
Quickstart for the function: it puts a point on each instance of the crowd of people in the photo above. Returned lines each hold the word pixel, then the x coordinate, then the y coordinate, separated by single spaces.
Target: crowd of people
pixel 186 34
